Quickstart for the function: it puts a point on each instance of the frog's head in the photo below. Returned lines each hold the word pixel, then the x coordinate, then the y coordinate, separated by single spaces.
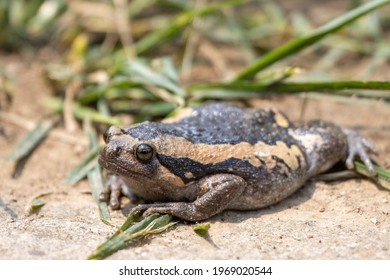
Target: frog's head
pixel 132 153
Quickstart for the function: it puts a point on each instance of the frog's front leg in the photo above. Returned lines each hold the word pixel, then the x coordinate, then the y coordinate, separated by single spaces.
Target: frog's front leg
pixel 113 189
pixel 221 190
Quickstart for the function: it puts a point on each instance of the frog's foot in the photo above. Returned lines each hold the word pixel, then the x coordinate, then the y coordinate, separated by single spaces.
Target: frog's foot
pixel 112 191
pixel 359 146
pixel 172 208
pixel 184 210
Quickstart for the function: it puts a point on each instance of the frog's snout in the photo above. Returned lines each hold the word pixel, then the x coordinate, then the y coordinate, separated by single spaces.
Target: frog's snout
pixel 111 151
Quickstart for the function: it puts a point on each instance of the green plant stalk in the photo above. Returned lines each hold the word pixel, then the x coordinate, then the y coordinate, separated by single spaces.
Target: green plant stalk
pixel 96 184
pixel 82 112
pixel 340 175
pixel 95 175
pixel 201 229
pixel 36 203
pixel 383 175
pixel 33 139
pixel 31 9
pixel 179 23
pixel 382 178
pixel 298 44
pixel 258 88
pixel 4 22
pixel 130 219
pixel 82 169
pixel 119 240
pixel 146 75
pixel 93 93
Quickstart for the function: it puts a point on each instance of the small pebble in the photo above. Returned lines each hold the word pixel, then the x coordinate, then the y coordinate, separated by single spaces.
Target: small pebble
pixel 374 221
pixel 322 209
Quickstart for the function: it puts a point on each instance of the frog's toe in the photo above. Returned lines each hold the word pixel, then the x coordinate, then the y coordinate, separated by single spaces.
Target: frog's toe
pixel 151 211
pixel 115 194
pixel 179 209
pixel 369 146
pixel 105 194
pixel 361 147
pixel 141 208
pixel 112 191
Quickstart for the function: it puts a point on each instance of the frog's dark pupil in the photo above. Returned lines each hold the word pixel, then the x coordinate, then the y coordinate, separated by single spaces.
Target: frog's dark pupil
pixel 144 152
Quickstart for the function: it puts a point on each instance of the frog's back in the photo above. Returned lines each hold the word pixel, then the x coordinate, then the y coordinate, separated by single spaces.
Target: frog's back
pixel 223 124
pixel 235 131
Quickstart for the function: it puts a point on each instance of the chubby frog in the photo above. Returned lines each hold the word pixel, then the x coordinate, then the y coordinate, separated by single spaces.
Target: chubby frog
pixel 219 157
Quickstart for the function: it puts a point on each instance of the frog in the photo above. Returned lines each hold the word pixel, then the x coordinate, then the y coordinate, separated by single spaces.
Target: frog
pixel 221 156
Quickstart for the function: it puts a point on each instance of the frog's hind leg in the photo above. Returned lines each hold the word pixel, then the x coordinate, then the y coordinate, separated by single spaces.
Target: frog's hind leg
pixel 323 143
pixel 222 189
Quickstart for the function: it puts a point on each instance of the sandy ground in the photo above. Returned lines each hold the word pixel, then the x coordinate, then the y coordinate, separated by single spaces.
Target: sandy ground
pixel 339 220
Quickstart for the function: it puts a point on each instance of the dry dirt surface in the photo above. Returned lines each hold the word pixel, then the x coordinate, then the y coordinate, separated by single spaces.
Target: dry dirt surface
pixel 340 220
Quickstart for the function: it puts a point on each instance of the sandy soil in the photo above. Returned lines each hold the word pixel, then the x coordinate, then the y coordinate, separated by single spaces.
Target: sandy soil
pixel 340 220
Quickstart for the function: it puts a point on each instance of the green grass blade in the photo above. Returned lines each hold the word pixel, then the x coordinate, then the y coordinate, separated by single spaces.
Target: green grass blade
pixel 120 239
pixel 339 175
pixel 136 6
pixel 382 178
pixel 225 94
pixel 33 139
pixel 36 204
pixel 246 89
pixel 143 74
pixel 156 226
pixel 46 17
pixel 81 170
pixel 30 10
pixel 130 219
pixel 96 184
pixel 178 24
pixel 93 93
pixel 82 112
pixel 298 44
pixel 201 229
pixel 167 69
pixel 95 178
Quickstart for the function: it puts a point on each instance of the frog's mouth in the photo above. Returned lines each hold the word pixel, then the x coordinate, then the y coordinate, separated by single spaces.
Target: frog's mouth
pixel 111 166
pixel 117 168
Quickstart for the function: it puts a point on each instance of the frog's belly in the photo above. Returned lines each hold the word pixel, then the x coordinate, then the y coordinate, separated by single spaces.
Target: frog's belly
pixel 259 194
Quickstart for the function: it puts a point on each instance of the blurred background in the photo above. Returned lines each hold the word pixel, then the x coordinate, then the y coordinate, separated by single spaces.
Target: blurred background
pixel 69 69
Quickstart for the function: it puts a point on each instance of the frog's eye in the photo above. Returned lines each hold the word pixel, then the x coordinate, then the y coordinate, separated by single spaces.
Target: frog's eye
pixel 144 152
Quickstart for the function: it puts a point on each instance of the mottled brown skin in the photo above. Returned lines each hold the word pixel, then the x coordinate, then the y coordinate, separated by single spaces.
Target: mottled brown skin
pixel 221 157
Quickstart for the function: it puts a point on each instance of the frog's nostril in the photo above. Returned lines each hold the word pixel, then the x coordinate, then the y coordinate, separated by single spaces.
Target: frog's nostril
pixel 117 150
pixel 112 150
